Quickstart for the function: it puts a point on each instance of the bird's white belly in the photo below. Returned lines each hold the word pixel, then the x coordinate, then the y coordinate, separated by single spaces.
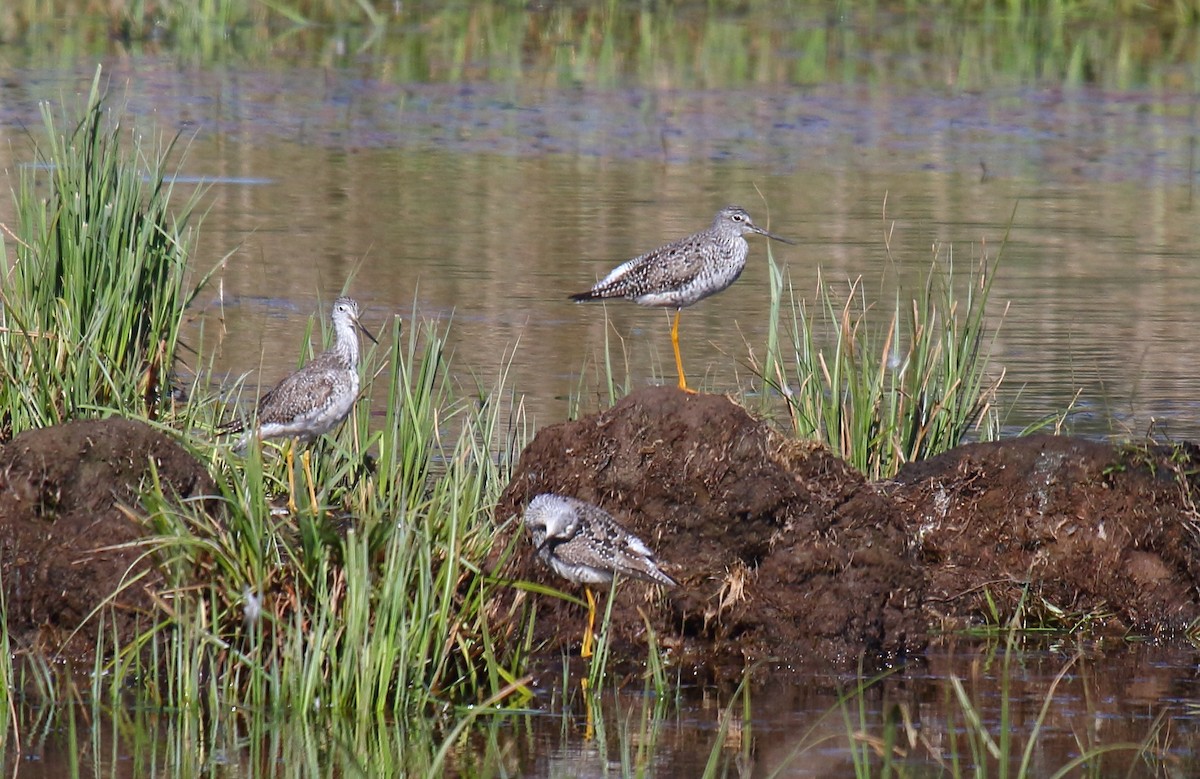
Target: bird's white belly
pixel 581 574
pixel 695 291
pixel 315 422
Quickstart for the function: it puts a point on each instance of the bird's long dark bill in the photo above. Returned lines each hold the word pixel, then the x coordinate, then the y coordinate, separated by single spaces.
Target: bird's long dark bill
pixel 775 237
pixel 366 332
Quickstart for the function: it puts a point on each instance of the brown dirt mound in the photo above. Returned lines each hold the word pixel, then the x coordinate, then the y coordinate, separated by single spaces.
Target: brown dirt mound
pixel 783 552
pixel 1098 532
pixel 751 524
pixel 60 493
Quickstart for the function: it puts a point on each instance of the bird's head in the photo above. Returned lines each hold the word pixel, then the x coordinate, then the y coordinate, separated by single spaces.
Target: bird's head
pixel 737 219
pixel 549 519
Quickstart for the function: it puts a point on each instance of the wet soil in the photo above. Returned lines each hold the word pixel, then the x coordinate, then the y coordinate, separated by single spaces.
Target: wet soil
pixel 784 553
pixel 62 491
pixel 1104 536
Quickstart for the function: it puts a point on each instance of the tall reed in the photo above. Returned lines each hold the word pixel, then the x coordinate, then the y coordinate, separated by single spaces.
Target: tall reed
pixel 7 702
pixel 370 603
pixel 97 281
pixel 880 397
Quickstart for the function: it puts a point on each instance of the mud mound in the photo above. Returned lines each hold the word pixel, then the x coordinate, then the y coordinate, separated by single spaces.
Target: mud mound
pixel 1100 534
pixel 782 551
pixel 752 524
pixel 60 489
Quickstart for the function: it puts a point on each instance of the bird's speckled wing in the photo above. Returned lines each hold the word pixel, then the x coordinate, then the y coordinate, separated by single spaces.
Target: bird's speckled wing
pixel 298 393
pixel 629 556
pixel 669 267
pixel 236 425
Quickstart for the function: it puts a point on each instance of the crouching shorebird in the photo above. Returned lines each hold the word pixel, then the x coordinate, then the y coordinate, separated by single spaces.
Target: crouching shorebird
pixel 315 399
pixel 684 272
pixel 583 544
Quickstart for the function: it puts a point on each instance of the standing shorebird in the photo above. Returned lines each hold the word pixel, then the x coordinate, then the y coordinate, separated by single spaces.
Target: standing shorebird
pixel 313 400
pixel 583 544
pixel 684 272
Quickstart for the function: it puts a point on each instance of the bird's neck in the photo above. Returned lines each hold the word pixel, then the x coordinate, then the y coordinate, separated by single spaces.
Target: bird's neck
pixel 737 242
pixel 345 345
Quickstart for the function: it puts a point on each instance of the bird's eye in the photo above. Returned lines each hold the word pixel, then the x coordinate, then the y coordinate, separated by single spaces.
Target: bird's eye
pixel 737 217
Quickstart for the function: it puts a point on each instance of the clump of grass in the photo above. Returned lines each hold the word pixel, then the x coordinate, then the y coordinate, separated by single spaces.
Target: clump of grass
pixel 1015 609
pixel 883 397
pixel 372 603
pixel 97 280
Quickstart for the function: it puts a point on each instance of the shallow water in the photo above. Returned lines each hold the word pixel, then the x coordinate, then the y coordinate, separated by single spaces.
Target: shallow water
pixel 479 188
pixel 1138 702
pixel 485 201
pixel 804 724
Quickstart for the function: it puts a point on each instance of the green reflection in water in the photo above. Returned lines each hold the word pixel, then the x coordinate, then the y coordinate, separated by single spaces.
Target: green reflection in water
pixel 661 46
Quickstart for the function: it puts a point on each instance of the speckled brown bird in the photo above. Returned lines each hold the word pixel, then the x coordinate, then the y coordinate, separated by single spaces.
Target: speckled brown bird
pixel 684 272
pixel 583 544
pixel 316 398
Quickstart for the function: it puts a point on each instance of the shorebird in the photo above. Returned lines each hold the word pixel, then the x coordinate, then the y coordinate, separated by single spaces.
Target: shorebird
pixel 583 544
pixel 684 272
pixel 315 399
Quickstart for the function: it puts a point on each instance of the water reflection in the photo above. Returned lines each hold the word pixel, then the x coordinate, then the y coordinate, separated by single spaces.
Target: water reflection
pixel 1128 708
pixel 966 704
pixel 488 205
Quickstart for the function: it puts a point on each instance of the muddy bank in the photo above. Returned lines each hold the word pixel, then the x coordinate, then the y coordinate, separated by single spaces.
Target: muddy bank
pixel 61 493
pixel 783 552
pixel 1106 536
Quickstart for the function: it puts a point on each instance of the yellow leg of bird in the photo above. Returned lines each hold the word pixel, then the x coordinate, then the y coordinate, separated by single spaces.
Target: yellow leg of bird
pixel 290 461
pixel 306 461
pixel 586 650
pixel 589 728
pixel 679 360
